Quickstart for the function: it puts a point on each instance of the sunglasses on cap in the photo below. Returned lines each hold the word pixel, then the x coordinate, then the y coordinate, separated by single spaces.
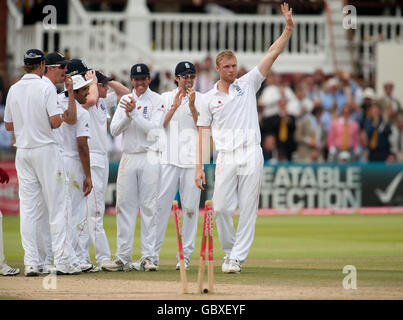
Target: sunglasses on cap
pixel 188 76
pixel 60 66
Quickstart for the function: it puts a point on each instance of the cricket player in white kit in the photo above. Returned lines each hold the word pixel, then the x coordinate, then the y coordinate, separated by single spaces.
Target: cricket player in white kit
pixel 76 159
pixel 230 110
pixel 32 112
pixel 5 269
pixel 179 158
pixel 139 118
pixel 55 72
pixel 98 144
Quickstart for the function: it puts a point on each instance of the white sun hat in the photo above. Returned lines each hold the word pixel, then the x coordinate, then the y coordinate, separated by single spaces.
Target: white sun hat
pixel 78 82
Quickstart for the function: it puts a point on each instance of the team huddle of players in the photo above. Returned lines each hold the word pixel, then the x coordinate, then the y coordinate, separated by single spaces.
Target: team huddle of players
pixel 62 162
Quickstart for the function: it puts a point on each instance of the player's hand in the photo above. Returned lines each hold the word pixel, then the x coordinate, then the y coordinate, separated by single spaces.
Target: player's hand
pixel 91 75
pixel 178 97
pixel 129 105
pixel 68 82
pixel 200 179
pixel 287 13
pixel 192 96
pixel 87 186
pixel 4 178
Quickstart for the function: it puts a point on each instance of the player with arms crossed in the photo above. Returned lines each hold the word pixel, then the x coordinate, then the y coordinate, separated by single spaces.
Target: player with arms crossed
pixel 230 110
pixel 179 158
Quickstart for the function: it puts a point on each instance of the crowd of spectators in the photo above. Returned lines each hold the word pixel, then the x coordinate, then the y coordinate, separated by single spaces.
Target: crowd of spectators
pixel 307 118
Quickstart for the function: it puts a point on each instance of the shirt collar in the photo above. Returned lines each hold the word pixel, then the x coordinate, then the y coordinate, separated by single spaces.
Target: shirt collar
pixel 144 94
pixel 29 76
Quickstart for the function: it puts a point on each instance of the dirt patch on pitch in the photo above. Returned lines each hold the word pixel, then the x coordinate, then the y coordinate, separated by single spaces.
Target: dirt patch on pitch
pixel 78 288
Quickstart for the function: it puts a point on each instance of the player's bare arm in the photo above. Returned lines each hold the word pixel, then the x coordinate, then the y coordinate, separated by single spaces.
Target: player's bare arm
pixel 56 121
pixel 192 98
pixel 9 126
pixel 70 115
pixel 84 153
pixel 278 46
pixel 200 177
pixel 177 102
pixel 93 95
pixel 119 88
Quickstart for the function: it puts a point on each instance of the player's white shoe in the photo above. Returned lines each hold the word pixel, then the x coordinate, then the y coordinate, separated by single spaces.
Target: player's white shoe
pixel 6 270
pixel 145 264
pixel 67 269
pixel 178 265
pixel 31 271
pixel 234 266
pixel 86 267
pixel 46 269
pixel 116 265
pixel 225 265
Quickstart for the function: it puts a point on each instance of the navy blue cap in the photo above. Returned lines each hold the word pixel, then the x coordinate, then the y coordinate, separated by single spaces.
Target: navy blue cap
pixel 77 66
pixel 33 56
pixel 55 58
pixel 102 78
pixel 139 70
pixel 184 67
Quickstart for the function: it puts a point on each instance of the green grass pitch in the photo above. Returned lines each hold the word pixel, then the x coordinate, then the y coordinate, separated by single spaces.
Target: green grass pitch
pixel 287 250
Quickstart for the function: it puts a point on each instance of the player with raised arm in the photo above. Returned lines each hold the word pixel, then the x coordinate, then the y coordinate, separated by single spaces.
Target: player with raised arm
pixel 230 110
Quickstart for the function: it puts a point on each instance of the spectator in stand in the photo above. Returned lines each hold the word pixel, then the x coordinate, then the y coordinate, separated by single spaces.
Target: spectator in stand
pixel 396 138
pixel 310 136
pixel 206 77
pixel 344 136
pixel 350 86
pixel 282 126
pixel 270 153
pixel 369 98
pixel 333 100
pixel 389 104
pixel 319 78
pixel 301 105
pixel 377 131
pixel 312 89
pixel 272 93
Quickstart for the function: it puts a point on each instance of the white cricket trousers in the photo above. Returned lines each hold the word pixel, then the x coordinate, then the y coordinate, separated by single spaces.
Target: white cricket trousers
pixel 41 173
pixel 94 232
pixel 137 188
pixel 1 241
pixel 78 221
pixel 237 184
pixel 172 178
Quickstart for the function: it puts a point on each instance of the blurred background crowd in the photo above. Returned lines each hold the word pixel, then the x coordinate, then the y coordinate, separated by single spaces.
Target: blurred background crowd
pixel 306 118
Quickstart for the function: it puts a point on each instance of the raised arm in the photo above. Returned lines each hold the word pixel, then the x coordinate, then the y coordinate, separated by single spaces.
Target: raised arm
pixel 70 115
pixel 119 88
pixel 93 95
pixel 278 46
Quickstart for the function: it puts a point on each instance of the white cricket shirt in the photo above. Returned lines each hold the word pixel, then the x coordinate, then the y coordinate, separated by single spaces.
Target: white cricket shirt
pixel 70 133
pixel 233 117
pixel 141 131
pixel 56 131
pixel 30 103
pixel 180 139
pixel 99 124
